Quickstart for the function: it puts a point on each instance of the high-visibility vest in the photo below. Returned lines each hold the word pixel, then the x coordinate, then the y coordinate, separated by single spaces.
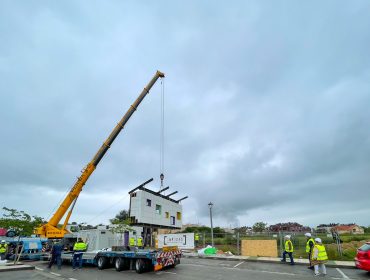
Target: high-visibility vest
pixel 287 246
pixel 3 248
pixel 79 246
pixel 308 248
pixel 321 255
pixel 132 241
pixel 139 242
pixel 197 237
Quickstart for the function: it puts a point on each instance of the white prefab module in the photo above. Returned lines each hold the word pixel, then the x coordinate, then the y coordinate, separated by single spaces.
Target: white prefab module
pixel 154 209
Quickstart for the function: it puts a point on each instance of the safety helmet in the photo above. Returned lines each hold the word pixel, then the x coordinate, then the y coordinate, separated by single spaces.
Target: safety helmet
pixel 2 241
pixel 307 234
pixel 318 240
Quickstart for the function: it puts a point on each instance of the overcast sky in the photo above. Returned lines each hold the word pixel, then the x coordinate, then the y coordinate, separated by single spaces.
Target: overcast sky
pixel 266 107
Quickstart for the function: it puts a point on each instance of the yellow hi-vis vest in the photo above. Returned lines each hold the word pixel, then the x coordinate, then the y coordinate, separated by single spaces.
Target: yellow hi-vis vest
pixel 308 244
pixel 139 242
pixel 321 256
pixel 287 246
pixel 197 237
pixel 132 241
pixel 79 246
pixel 3 248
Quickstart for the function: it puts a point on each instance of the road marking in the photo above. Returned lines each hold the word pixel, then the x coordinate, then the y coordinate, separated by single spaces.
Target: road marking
pixel 169 272
pixel 37 268
pixel 238 264
pixel 232 268
pixel 56 274
pixel 72 278
pixel 342 273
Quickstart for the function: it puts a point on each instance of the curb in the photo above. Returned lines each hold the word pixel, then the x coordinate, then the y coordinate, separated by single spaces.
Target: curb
pixel 8 268
pixel 255 259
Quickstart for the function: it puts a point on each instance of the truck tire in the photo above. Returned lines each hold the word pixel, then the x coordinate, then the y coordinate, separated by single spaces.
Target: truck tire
pixel 139 266
pixel 121 264
pixel 102 262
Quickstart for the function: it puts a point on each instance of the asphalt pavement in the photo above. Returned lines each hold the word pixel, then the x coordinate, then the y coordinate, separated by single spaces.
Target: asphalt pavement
pixel 190 269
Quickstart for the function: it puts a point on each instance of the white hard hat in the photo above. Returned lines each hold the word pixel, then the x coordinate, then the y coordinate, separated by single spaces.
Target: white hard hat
pixel 287 236
pixel 2 241
pixel 318 240
pixel 307 234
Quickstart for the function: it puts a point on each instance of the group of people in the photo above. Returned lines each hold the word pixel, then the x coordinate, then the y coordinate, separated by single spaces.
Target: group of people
pixel 56 253
pixel 314 248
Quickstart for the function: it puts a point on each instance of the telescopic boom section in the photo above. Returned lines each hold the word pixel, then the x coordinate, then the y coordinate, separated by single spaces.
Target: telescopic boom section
pixel 50 229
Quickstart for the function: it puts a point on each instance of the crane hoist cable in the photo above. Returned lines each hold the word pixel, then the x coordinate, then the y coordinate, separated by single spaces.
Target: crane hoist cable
pixel 161 149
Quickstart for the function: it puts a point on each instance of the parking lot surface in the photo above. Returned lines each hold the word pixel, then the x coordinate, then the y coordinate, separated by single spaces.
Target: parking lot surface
pixel 190 269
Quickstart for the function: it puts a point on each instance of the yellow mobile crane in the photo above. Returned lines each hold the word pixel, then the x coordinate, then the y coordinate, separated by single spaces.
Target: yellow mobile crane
pixel 50 229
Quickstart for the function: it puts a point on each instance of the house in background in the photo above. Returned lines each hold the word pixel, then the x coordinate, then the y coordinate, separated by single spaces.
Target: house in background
pixel 325 228
pixel 348 229
pixel 289 227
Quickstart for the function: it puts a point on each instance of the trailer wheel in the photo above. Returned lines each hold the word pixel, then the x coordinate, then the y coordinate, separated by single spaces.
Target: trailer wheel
pixel 121 264
pixel 139 266
pixel 102 262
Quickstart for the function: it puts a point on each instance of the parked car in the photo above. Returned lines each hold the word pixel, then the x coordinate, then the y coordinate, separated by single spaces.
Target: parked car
pixel 363 257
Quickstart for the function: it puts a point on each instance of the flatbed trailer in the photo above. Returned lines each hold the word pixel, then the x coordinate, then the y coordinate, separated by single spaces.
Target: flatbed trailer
pixel 139 260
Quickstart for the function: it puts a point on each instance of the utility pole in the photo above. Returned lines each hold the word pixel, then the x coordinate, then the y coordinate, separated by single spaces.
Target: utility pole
pixel 210 205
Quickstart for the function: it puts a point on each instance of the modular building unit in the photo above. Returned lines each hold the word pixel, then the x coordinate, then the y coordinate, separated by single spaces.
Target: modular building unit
pixel 149 208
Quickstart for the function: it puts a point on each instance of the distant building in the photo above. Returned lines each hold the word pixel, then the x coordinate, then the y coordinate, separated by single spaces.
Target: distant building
pixel 325 228
pixel 350 229
pixel 289 227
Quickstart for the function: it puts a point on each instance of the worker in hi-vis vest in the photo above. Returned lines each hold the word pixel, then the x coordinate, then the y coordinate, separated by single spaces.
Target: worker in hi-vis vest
pixel 132 241
pixel 3 250
pixel 288 249
pixel 140 242
pixel 196 239
pixel 319 257
pixel 309 247
pixel 78 249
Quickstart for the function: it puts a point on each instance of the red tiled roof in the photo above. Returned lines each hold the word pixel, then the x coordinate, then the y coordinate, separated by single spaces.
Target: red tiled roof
pixel 344 227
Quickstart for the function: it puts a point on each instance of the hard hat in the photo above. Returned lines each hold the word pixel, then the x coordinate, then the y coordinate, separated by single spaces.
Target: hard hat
pixel 2 241
pixel 287 236
pixel 318 240
pixel 307 234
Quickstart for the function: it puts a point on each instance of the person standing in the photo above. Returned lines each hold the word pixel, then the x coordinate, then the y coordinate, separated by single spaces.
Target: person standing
pixel 319 257
pixel 309 247
pixel 78 250
pixel 3 250
pixel 288 249
pixel 140 242
pixel 56 254
pixel 196 238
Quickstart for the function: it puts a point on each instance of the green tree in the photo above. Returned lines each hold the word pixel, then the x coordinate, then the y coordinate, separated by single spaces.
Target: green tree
pixel 259 227
pixel 23 223
pixel 122 216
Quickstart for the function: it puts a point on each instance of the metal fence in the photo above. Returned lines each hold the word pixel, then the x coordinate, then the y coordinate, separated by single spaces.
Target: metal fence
pixel 338 247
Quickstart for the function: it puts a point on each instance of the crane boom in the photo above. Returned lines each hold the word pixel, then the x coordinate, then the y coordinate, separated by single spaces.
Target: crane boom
pixel 50 229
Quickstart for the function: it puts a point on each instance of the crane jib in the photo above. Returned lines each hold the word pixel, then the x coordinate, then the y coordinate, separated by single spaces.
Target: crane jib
pixel 50 229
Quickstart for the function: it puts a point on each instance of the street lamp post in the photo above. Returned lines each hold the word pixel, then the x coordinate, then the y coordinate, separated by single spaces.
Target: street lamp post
pixel 210 205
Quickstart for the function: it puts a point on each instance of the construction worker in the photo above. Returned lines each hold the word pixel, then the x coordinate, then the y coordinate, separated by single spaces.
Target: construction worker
pixel 309 247
pixel 3 250
pixel 132 241
pixel 319 257
pixel 140 242
pixel 78 250
pixel 56 254
pixel 288 249
pixel 196 238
